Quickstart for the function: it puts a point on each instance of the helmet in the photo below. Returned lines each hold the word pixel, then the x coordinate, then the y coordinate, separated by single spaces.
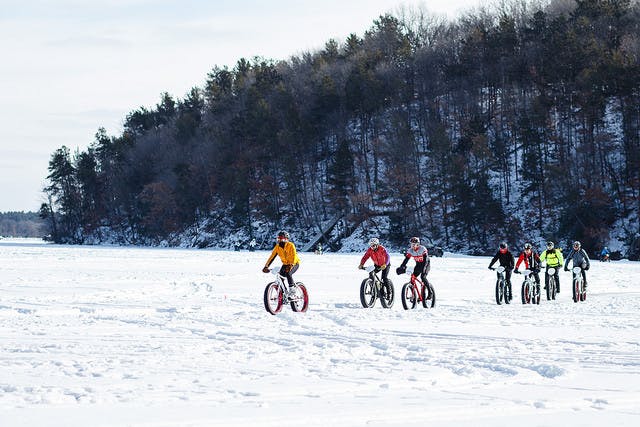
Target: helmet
pixel 374 241
pixel 527 245
pixel 577 244
pixel 503 247
pixel 414 241
pixel 550 244
pixel 283 235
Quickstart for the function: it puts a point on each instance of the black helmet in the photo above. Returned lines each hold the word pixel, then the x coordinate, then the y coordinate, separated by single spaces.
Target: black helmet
pixel 414 241
pixel 527 245
pixel 503 245
pixel 283 235
pixel 550 245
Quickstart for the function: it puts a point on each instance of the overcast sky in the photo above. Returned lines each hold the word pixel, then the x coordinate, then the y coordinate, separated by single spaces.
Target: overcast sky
pixel 68 67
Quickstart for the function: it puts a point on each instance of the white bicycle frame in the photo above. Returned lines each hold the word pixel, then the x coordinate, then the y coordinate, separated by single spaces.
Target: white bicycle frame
pixel 577 273
pixel 281 280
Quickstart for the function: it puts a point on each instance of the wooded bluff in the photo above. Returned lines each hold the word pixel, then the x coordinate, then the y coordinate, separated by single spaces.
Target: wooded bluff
pixel 516 122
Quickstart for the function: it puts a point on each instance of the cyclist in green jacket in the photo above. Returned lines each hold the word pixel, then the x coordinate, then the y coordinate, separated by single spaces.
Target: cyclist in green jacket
pixel 553 257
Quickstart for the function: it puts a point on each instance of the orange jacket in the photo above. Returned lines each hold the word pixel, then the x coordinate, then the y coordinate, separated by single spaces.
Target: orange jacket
pixel 287 254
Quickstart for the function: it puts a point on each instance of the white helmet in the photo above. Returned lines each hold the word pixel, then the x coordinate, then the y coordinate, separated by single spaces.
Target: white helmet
pixel 374 241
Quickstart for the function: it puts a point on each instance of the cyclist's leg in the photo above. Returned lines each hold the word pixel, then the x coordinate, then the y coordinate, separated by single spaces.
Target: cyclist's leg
pixel 385 274
pixel 507 280
pixel 584 278
pixel 289 273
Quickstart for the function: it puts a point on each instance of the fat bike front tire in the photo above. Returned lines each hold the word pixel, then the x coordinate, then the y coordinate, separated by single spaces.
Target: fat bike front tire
pixel 500 293
pixel 409 296
pixel 551 288
pixel 525 293
pixel 387 294
pixel 300 301
pixel 367 293
pixel 576 290
pixel 273 298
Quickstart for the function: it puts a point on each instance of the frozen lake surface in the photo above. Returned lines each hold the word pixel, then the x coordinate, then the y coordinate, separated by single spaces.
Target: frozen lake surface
pixel 109 336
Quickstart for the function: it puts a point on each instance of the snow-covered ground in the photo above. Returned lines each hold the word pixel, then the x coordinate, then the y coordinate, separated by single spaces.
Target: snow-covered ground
pixel 109 336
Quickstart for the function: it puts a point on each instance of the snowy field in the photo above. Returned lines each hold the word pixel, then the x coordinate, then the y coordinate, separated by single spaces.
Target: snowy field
pixel 107 336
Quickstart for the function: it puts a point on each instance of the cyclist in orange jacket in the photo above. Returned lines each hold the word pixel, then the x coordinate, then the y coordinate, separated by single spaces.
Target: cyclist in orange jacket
pixel 286 250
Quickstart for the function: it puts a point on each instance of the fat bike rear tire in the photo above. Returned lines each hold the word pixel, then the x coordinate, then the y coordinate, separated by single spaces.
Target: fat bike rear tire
pixel 387 294
pixel 428 296
pixel 300 301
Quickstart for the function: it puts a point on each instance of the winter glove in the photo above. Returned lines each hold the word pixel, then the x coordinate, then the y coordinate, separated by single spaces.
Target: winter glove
pixel 266 270
pixel 400 270
pixel 587 267
pixel 490 268
pixel 361 267
pixel 566 269
pixel 383 266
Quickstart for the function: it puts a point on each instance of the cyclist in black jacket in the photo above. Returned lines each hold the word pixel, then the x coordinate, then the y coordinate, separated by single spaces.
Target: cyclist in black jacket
pixel 507 261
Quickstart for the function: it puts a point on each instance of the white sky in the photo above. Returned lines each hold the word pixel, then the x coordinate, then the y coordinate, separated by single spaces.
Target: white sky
pixel 68 67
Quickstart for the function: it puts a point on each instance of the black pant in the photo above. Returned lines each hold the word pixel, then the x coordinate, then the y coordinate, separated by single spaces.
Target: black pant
pixel 385 273
pixel 288 270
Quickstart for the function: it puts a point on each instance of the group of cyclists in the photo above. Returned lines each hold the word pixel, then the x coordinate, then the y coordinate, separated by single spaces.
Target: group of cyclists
pixel 552 256
pixel 529 258
pixel 286 250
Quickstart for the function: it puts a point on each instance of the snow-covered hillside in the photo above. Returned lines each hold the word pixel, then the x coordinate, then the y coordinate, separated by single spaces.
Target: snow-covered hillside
pixel 110 336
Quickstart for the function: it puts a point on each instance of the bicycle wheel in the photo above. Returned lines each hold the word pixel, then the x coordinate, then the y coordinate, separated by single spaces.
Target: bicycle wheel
pixel 536 294
pixel 526 296
pixel 508 296
pixel 576 290
pixel 388 293
pixel 367 293
pixel 300 300
pixel 583 294
pixel 428 296
pixel 273 298
pixel 409 296
pixel 500 292
pixel 551 288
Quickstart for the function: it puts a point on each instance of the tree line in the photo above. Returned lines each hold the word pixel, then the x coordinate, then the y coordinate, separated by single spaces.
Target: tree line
pixel 513 122
pixel 21 224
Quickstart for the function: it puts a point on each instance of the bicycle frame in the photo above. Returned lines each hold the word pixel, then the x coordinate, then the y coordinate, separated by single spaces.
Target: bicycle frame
pixel 502 292
pixel 579 293
pixel 531 296
pixel 281 282
pixel 376 279
pixel 418 290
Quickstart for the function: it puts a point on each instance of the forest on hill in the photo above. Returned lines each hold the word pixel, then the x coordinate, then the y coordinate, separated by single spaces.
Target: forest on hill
pixel 520 121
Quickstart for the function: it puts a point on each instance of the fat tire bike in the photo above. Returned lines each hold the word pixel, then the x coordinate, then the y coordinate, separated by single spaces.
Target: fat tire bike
pixel 552 285
pixel 277 293
pixel 373 288
pixel 503 290
pixel 530 291
pixel 579 290
pixel 414 291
